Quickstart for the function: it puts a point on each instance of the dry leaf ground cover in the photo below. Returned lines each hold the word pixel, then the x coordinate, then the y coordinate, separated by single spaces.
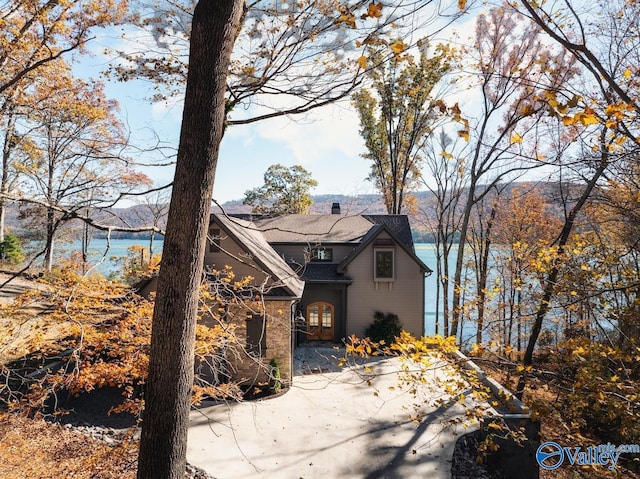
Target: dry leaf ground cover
pixel 36 449
pixel 33 447
pixel 546 400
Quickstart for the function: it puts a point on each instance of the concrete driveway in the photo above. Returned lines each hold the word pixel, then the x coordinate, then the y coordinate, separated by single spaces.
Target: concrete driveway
pixel 332 423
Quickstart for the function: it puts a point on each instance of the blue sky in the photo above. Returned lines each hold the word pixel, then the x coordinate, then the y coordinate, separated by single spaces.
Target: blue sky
pixel 325 141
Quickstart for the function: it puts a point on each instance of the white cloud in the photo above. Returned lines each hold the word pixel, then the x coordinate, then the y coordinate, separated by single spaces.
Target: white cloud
pixel 311 139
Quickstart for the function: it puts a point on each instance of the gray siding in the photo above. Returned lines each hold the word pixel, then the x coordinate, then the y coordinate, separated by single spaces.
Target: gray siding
pixel 228 250
pixel 404 296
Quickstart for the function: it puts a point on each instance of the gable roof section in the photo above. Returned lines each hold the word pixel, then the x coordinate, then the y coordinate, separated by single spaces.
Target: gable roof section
pixel 398 225
pixel 370 237
pixel 358 230
pixel 323 273
pixel 249 238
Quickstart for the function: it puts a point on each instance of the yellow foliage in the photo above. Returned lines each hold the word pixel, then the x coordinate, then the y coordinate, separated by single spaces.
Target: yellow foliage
pixel 374 10
pixel 104 331
pixel 347 17
pixel 398 46
pixel 516 138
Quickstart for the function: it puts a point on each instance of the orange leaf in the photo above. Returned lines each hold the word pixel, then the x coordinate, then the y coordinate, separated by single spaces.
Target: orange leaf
pixel 374 10
pixel 362 62
pixel 516 138
pixel 398 46
pixel 464 134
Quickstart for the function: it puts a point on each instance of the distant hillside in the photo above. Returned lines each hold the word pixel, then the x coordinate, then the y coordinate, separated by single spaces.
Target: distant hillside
pixel 140 215
pixel 370 204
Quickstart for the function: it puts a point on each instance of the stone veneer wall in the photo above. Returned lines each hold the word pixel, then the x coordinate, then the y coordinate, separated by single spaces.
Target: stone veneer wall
pixel 247 370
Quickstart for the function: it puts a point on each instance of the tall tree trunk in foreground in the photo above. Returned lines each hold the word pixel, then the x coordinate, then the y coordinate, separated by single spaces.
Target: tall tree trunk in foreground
pixel 163 444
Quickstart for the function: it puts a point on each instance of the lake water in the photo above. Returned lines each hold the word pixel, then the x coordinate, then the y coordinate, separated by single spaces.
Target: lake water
pixel 105 255
pixel 120 247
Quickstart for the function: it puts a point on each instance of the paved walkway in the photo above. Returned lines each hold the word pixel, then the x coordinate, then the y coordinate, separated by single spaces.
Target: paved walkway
pixel 14 287
pixel 332 423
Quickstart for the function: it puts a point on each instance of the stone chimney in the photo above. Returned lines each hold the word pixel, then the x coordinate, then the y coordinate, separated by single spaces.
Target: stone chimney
pixel 335 209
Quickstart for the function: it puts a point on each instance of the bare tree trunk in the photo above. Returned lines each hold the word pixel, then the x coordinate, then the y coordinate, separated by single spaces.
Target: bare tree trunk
pixel 2 215
pixel 151 237
pixel 163 444
pixel 6 156
pixel 457 278
pixel 51 230
pixel 482 273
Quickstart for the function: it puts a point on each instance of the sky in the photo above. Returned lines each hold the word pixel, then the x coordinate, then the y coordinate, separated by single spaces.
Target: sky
pixel 325 141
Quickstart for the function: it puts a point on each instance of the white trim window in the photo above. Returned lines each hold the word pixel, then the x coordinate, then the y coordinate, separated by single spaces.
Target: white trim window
pixel 321 255
pixel 384 264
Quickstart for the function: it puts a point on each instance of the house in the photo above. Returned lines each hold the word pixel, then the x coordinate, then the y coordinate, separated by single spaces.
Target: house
pixel 322 277
pixel 263 311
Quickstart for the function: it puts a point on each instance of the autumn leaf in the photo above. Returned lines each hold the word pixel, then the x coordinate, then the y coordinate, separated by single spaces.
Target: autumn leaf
pixel 627 73
pixel 398 46
pixel 362 62
pixel 462 4
pixel 515 138
pixel 374 10
pixel 586 118
pixel 527 110
pixel 464 134
pixel 347 17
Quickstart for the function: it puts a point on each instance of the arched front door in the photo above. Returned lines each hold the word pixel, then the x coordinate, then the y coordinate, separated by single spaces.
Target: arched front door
pixel 320 320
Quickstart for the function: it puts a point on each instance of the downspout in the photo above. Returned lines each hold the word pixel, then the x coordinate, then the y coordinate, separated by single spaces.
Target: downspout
pixel 426 274
pixel 294 335
pixel 344 311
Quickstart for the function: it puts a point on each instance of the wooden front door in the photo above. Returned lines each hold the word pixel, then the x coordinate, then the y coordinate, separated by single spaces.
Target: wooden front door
pixel 320 320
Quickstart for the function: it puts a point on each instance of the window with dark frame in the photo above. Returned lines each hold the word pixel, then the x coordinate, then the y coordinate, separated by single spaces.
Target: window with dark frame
pixel 383 264
pixel 321 254
pixel 256 335
pixel 214 240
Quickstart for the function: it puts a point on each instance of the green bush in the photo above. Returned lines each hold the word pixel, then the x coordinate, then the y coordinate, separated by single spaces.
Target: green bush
pixel 385 327
pixel 276 384
pixel 11 250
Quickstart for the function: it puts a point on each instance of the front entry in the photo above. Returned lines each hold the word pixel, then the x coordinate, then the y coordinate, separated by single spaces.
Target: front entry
pixel 320 321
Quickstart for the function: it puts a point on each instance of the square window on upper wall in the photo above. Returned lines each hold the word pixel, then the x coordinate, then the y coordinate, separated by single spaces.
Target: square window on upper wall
pixel 321 255
pixel 383 264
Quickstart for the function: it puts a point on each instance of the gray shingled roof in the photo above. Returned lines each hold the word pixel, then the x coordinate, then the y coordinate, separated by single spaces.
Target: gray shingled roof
pixel 249 237
pixel 323 272
pixel 358 230
pixel 314 228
